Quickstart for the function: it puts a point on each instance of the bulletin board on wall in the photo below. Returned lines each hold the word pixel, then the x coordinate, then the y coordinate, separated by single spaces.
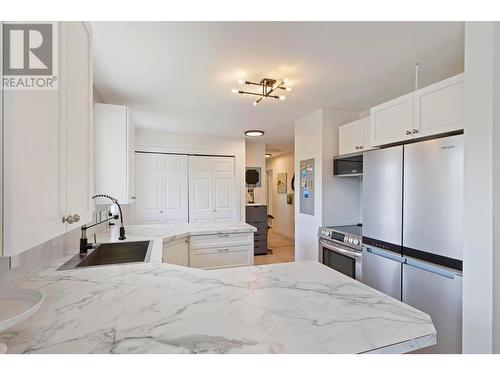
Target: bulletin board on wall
pixel 307 187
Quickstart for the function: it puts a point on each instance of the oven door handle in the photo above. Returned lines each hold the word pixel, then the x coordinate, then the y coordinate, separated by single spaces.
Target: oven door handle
pixel 350 254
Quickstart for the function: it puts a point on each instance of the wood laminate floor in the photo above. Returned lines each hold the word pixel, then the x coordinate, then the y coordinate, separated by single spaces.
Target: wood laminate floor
pixel 283 250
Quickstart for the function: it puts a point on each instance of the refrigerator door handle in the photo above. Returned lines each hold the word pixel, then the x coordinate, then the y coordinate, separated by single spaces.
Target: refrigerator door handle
pixel 438 270
pixel 385 254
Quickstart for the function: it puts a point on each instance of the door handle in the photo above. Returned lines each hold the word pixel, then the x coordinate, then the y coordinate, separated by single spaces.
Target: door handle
pixel 437 270
pixel 415 131
pixel 408 132
pixel 386 255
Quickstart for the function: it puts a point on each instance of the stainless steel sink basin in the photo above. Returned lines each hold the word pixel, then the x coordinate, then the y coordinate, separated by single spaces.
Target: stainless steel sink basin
pixel 112 253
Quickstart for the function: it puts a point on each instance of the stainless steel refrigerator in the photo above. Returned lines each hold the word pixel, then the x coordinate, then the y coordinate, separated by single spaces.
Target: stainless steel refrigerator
pixel 412 230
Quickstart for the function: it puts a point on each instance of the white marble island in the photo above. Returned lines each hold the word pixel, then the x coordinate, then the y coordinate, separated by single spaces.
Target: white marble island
pixel 301 307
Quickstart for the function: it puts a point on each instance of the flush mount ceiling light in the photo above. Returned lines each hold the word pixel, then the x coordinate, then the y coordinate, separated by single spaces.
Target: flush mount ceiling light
pixel 268 156
pixel 254 133
pixel 268 89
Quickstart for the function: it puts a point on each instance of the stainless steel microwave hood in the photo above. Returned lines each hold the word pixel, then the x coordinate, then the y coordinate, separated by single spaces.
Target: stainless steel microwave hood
pixel 348 165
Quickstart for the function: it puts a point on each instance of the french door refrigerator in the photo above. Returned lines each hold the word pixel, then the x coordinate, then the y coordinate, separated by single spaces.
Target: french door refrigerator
pixel 423 203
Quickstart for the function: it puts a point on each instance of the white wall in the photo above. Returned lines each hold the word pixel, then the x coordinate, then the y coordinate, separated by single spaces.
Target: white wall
pixel 158 141
pixel 284 214
pixel 341 195
pixel 256 157
pixel 336 200
pixel 481 253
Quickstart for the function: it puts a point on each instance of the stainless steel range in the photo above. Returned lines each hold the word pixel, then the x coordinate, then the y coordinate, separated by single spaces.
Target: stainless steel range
pixel 340 248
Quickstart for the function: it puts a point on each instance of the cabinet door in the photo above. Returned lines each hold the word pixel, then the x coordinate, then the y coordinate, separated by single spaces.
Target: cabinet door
pixel 130 160
pixel 175 179
pixel 149 202
pixel 200 189
pixel 223 189
pixel 111 152
pixel 392 121
pixel 439 107
pixel 34 168
pixel 176 252
pixel 351 137
pixel 79 135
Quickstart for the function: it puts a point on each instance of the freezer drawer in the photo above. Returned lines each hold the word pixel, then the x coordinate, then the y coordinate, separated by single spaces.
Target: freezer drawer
pixel 438 292
pixel 382 271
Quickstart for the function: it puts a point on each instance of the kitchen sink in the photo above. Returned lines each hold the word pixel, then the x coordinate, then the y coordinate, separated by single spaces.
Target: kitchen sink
pixel 112 253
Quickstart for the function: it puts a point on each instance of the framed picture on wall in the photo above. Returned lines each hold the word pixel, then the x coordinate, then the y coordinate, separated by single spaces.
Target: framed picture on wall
pixel 282 182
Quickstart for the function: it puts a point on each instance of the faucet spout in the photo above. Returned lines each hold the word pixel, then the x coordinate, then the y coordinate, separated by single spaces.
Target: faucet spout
pixel 84 244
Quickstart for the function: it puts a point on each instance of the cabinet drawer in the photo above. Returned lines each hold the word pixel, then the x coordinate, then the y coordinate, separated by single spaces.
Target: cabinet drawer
pixel 220 240
pixel 221 257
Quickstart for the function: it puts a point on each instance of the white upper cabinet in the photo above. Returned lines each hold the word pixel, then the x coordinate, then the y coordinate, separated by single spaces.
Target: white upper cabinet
pixel 114 153
pixel 434 109
pixel 211 189
pixel 354 136
pixel 47 150
pixel 392 121
pixel 79 129
pixel 162 188
pixel 439 107
pixel 350 137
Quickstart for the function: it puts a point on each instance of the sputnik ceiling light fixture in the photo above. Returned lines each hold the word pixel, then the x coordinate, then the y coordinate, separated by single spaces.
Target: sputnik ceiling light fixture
pixel 268 89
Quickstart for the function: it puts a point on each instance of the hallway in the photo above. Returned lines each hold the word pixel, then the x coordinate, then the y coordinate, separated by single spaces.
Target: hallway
pixel 283 250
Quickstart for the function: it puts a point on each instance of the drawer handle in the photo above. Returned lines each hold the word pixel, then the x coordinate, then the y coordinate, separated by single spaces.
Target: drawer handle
pixel 222 250
pixel 223 235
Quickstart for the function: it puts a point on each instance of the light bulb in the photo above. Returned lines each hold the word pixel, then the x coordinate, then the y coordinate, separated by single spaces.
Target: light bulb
pixel 234 91
pixel 288 89
pixel 241 81
pixel 282 97
pixel 255 103
pixel 285 80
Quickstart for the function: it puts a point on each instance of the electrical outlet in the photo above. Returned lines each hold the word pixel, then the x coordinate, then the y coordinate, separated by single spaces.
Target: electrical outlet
pixel 14 261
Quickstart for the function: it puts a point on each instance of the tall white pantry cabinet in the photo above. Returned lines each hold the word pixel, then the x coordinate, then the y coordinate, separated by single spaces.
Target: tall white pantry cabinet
pixel 47 165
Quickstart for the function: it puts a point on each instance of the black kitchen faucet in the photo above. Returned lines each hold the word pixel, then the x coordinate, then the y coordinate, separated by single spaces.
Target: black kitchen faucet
pixel 84 244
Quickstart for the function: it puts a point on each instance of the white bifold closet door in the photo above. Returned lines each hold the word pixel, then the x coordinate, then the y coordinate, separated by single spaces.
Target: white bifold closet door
pixel 161 188
pixel 211 189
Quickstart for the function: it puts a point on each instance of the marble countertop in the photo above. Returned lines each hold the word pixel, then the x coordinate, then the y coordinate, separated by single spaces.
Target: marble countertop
pixel 301 307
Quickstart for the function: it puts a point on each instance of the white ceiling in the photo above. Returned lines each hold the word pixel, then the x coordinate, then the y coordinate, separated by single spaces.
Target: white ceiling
pixel 178 76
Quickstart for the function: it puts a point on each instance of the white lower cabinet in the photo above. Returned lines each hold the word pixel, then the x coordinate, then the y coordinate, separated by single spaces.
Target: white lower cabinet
pixel 47 149
pixel 221 257
pixel 176 252
pixel 219 250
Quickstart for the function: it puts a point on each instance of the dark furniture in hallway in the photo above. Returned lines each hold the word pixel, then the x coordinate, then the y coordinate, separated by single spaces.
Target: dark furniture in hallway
pixel 256 215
